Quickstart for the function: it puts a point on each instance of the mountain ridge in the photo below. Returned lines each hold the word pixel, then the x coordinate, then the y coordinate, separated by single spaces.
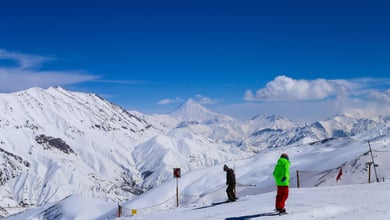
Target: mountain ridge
pixel 79 142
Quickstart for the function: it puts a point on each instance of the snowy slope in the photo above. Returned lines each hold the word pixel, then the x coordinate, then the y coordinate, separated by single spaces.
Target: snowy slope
pixel 346 202
pixel 349 198
pixel 352 202
pixel 60 142
pixel 56 143
pixel 323 160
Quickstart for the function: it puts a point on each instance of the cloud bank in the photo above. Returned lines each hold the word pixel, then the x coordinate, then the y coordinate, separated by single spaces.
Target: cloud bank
pixel 198 98
pixel 204 100
pixel 283 88
pixel 169 101
pixel 320 97
pixel 27 73
pixel 383 97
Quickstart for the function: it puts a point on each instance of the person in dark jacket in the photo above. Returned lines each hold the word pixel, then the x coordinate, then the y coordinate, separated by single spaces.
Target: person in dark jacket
pixel 231 183
pixel 282 178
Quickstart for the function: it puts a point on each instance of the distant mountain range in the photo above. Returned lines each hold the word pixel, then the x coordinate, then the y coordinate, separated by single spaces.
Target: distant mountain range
pixel 55 142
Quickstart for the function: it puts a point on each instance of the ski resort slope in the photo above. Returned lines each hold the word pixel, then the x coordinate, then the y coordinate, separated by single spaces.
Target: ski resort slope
pixel 346 202
pixel 352 197
pixel 342 202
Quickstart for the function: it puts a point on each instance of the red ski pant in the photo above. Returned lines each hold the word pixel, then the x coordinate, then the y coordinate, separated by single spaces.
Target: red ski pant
pixel 281 197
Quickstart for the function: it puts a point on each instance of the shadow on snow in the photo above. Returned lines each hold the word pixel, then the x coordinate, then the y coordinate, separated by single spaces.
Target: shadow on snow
pixel 253 216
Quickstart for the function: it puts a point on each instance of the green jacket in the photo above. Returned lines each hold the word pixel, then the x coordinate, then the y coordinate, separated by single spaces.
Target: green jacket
pixel 282 169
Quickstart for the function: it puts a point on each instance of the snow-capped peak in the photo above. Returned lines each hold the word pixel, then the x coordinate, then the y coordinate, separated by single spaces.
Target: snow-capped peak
pixel 273 121
pixel 193 111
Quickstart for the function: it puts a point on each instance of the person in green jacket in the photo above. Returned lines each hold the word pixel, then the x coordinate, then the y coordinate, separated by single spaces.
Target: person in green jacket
pixel 282 178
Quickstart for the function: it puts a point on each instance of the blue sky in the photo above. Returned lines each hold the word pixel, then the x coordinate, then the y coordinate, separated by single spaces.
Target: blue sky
pixel 302 59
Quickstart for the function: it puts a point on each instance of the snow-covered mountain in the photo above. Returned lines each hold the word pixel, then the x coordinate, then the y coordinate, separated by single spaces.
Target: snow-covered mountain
pixel 318 164
pixel 193 111
pixel 55 143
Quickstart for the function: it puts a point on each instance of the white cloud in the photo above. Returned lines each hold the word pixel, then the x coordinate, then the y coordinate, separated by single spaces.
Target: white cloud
pixel 198 98
pixel 296 111
pixel 26 73
pixel 170 101
pixel 317 99
pixel 375 102
pixel 126 82
pixel 204 100
pixel 284 88
pixel 25 61
pixel 380 96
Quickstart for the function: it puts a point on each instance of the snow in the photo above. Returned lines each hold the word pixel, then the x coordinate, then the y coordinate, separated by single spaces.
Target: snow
pixel 119 154
pixel 347 202
pixel 352 197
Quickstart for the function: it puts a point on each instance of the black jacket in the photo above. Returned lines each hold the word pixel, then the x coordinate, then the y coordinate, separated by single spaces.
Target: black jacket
pixel 230 177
